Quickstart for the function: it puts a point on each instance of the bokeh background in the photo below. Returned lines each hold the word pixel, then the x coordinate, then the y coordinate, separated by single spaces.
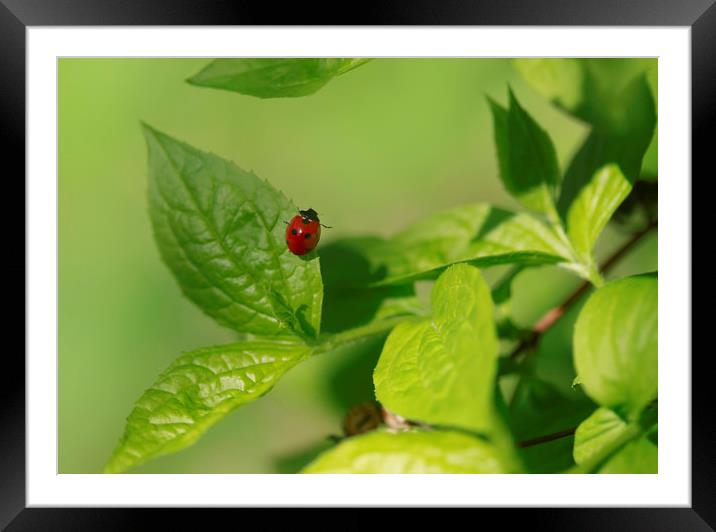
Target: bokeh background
pixel 372 151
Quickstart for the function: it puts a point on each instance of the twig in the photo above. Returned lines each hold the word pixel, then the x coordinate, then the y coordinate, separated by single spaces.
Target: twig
pixel 636 237
pixel 552 315
pixel 547 438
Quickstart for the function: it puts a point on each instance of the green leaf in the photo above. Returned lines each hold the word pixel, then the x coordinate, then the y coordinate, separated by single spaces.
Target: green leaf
pixel 639 456
pixel 411 452
pixel 593 207
pixel 273 77
pixel 621 137
pixel 502 297
pixel 539 408
pixel 203 386
pixel 615 345
pixel 617 97
pixel 553 359
pixel 549 457
pixel 220 230
pixel 479 234
pixel 650 164
pixel 589 89
pixel 601 431
pixel 442 370
pixel 196 391
pixel 349 300
pixel 526 155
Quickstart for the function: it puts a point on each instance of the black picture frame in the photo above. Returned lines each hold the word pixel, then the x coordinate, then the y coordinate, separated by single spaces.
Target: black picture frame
pixel 16 15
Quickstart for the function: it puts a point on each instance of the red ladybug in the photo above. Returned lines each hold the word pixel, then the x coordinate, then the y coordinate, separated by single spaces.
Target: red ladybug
pixel 303 232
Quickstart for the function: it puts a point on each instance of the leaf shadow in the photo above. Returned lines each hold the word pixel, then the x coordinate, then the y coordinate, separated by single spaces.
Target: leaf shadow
pixel 351 382
pixel 347 268
pixel 629 120
pixel 294 462
pixel 494 219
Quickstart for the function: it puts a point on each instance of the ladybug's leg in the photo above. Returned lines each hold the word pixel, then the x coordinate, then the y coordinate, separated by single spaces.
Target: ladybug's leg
pixel 327 226
pixel 335 438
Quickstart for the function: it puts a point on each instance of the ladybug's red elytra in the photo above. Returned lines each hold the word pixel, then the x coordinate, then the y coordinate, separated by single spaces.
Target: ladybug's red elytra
pixel 303 232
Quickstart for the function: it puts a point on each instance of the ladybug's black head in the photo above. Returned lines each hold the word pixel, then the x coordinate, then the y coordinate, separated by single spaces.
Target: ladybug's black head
pixel 310 214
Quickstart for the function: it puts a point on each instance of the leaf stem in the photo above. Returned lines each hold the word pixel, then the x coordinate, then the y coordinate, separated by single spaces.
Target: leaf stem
pixel 342 339
pixel 554 314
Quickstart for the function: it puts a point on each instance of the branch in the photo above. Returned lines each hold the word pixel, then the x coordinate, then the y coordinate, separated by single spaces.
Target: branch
pixel 552 315
pixel 547 438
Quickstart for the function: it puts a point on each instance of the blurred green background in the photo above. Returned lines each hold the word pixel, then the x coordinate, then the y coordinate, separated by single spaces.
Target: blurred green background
pixel 372 151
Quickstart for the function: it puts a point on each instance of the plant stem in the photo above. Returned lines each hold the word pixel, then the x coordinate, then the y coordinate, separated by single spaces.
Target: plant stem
pixel 635 238
pixel 344 338
pixel 552 315
pixel 547 438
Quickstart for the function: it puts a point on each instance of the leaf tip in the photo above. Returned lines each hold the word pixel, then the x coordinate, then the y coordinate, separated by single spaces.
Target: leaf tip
pixel 153 134
pixel 497 110
pixel 193 80
pixel 514 103
pixel 147 129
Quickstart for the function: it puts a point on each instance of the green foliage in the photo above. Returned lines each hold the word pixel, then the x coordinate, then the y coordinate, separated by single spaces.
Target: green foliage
pixel 528 161
pixel 590 89
pixel 502 298
pixel 219 230
pixel 430 368
pixel 594 185
pixel 595 204
pixel 641 208
pixel 621 139
pixel 616 97
pixel 196 391
pixel 539 408
pixel 201 387
pixel 545 401
pixel 349 269
pixel 605 430
pixel 411 452
pixel 615 345
pixel 479 234
pixel 273 78
pixel 615 352
pixel 639 456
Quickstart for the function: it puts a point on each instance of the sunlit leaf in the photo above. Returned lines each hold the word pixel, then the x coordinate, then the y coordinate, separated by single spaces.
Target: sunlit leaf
pixel 595 204
pixel 197 390
pixel 432 368
pixel 479 234
pixel 601 430
pixel 411 452
pixel 615 344
pixel 220 230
